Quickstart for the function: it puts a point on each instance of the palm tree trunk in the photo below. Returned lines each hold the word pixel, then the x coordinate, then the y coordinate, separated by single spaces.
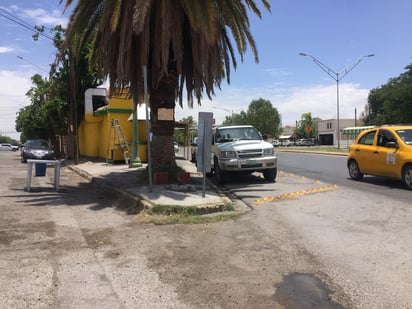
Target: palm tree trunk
pixel 162 109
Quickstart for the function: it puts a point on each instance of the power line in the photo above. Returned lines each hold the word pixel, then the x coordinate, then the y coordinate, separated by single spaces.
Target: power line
pixel 23 24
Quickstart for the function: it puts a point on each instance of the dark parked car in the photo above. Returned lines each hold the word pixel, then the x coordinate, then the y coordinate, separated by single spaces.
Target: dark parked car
pixel 36 149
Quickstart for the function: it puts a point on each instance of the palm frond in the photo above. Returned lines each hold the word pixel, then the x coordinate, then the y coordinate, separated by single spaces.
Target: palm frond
pixel 197 40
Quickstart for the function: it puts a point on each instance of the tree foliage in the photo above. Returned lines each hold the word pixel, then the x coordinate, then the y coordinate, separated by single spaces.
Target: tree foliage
pixel 190 121
pixel 391 103
pixel 33 121
pixel 48 112
pixel 180 134
pixel 261 114
pixel 8 140
pixel 306 127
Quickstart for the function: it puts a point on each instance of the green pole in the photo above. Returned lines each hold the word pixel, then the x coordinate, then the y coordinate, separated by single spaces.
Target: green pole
pixel 135 161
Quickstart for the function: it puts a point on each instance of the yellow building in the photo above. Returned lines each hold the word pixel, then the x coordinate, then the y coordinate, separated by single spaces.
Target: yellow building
pixel 97 131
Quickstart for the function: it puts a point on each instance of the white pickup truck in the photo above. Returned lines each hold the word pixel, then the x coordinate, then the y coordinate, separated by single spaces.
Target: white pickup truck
pixel 238 149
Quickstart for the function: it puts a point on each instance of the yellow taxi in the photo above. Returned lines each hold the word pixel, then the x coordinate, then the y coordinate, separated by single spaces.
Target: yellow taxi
pixel 382 151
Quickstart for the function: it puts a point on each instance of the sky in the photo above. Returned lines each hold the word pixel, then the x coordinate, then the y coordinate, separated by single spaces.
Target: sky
pixel 335 32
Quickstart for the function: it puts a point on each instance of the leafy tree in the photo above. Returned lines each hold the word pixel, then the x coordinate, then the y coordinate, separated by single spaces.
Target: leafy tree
pixel 185 46
pixel 31 120
pixel 8 140
pixel 236 119
pixel 264 117
pixel 190 121
pixel 50 113
pixel 392 102
pixel 72 76
pixel 180 134
pixel 305 127
pixel 261 114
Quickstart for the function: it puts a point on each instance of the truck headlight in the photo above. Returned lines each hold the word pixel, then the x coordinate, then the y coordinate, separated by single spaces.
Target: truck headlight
pixel 268 151
pixel 228 154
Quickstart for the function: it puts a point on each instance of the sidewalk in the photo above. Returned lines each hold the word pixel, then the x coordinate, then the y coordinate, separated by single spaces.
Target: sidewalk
pixel 125 181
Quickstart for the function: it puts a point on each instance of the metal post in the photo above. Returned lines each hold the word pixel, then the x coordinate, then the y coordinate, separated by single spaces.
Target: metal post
pixel 337 112
pixel 204 165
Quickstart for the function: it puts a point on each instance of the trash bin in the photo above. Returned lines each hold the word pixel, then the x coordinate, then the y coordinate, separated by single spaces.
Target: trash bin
pixel 40 169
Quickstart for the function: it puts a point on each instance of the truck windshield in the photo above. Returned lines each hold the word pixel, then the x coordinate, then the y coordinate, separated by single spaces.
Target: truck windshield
pixel 233 134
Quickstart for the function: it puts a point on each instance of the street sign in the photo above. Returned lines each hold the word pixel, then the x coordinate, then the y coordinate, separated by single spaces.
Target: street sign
pixel 204 146
pixel 204 142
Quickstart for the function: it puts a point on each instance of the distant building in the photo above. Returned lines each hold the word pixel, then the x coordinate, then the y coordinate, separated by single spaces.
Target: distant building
pixel 328 131
pixel 288 133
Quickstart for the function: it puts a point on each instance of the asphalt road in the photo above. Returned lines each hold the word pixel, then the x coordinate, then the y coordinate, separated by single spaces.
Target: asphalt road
pixel 332 169
pixel 359 233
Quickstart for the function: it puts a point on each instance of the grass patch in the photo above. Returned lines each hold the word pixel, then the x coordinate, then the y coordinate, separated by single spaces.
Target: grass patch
pixel 172 214
pixel 182 219
pixel 189 210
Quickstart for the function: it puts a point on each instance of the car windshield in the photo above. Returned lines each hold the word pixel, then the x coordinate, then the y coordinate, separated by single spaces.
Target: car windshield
pixel 38 144
pixel 406 136
pixel 233 134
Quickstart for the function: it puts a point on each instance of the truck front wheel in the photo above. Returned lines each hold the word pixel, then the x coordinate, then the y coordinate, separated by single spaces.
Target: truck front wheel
pixel 220 175
pixel 270 175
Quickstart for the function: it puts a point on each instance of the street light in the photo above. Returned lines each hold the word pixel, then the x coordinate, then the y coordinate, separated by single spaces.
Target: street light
pixel 337 76
pixel 232 111
pixel 33 64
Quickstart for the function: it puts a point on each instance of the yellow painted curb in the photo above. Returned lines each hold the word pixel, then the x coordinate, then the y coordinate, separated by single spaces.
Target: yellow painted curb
pixel 294 194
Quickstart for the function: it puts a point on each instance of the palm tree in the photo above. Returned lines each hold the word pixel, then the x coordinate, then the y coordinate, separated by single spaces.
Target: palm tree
pixel 184 44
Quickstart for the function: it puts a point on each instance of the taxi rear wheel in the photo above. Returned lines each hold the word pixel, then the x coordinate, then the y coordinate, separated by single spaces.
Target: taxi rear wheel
pixel 407 176
pixel 354 171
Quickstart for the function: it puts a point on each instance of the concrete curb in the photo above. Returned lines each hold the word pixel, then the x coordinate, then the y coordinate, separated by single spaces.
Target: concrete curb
pixel 135 203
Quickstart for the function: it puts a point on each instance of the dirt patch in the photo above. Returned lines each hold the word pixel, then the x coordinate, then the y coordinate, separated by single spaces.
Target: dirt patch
pixel 98 238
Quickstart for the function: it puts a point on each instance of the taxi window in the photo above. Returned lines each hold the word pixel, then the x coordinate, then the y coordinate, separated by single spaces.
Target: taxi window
pixel 406 136
pixel 367 139
pixel 385 136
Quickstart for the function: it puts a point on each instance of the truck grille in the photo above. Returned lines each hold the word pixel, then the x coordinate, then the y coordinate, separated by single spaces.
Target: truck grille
pixel 251 153
pixel 257 165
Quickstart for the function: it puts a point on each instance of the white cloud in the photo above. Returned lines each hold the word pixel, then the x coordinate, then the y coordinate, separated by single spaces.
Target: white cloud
pixel 41 16
pixel 13 86
pixel 38 16
pixel 6 49
pixel 291 102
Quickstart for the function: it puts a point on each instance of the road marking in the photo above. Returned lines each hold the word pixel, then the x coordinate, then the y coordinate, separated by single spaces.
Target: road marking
pixel 294 194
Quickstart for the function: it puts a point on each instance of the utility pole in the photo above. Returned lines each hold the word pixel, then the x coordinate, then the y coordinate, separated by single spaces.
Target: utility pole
pixel 73 131
pixel 337 77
